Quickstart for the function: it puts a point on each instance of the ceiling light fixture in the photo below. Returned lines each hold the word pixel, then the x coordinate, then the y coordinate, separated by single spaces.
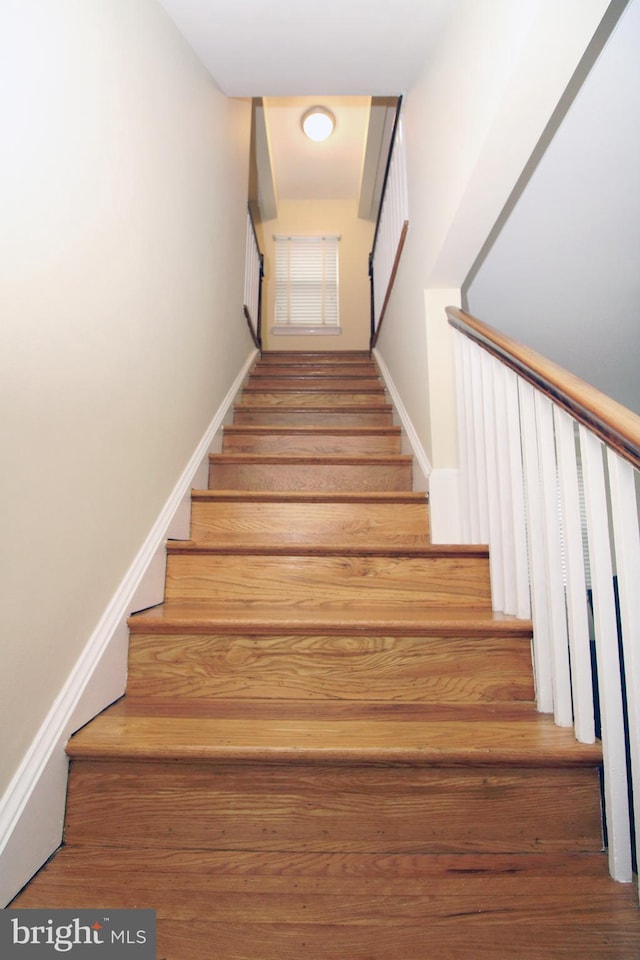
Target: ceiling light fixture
pixel 318 123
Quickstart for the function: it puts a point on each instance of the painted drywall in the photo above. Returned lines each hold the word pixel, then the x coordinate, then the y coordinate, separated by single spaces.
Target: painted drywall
pixel 317 217
pixel 563 274
pixel 123 182
pixel 472 120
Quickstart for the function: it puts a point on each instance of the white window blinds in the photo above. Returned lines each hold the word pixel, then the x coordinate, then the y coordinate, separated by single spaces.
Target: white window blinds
pixel 306 282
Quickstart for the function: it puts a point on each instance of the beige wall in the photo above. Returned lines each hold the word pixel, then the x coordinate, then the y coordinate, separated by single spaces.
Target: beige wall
pixel 472 120
pixel 123 179
pixel 302 217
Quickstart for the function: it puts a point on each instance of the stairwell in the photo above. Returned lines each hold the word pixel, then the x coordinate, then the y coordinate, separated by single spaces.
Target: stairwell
pixel 329 746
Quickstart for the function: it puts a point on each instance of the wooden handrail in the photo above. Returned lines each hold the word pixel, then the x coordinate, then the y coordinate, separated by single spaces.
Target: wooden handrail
pixel 615 424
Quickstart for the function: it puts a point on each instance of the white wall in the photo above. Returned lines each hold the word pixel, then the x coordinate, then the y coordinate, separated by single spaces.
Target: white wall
pixel 472 120
pixel 123 179
pixel 563 275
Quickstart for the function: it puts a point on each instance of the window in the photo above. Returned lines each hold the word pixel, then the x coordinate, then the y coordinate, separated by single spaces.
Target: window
pixel 306 297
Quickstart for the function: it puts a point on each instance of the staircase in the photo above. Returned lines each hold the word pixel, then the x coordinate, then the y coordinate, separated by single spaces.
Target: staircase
pixel 329 746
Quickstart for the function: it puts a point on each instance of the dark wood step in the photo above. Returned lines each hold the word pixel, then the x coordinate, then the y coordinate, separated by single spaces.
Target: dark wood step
pixel 227 516
pixel 297 472
pixel 350 441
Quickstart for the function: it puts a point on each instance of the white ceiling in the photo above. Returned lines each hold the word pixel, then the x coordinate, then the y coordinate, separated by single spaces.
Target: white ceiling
pixel 295 53
pixel 256 48
pixel 330 170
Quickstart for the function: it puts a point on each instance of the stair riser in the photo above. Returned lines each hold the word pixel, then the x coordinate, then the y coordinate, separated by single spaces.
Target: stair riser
pixel 320 383
pixel 350 445
pixel 350 370
pixel 350 523
pixel 312 476
pixel 295 417
pixel 324 358
pixel 303 807
pixel 297 398
pixel 314 581
pixel 407 669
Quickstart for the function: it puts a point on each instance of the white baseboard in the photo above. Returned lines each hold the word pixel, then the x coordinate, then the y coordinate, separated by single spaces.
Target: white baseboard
pixel 421 460
pixel 444 506
pixel 32 808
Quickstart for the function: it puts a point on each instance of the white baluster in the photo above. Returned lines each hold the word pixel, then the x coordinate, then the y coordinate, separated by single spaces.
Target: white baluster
pixel 624 506
pixel 608 658
pixel 558 637
pixel 505 491
pixel 576 585
pixel 519 527
pixel 537 564
pixel 463 437
pixel 493 497
pixel 479 442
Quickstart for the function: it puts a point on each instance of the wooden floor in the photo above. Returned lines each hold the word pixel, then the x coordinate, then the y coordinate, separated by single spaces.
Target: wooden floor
pixel 329 746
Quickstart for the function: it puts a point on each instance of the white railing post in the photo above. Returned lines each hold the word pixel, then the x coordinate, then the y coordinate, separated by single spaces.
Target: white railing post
pixel 552 538
pixel 519 523
pixel 576 583
pixel 607 658
pixel 535 538
pixel 624 508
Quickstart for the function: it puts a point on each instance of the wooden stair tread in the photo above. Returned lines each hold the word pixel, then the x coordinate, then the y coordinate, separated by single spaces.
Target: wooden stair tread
pixel 532 740
pixel 364 618
pixel 256 904
pixel 289 459
pixel 303 710
pixel 345 407
pixel 311 496
pixel 337 431
pixel 192 548
pixel 312 384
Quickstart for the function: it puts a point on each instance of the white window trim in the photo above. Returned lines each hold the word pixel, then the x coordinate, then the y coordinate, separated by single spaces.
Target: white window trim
pixel 324 316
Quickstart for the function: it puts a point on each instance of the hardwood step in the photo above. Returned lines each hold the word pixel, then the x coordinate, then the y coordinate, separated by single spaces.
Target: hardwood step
pixel 318 383
pixel 273 906
pixel 197 782
pixel 312 578
pixel 227 516
pixel 349 441
pixel 425 669
pixel 270 806
pixel 353 370
pixel 346 415
pixel 332 618
pixel 313 398
pixel 324 357
pixel 244 471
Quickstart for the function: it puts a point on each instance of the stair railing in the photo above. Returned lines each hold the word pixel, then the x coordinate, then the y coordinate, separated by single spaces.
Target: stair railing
pixel 253 277
pixel 391 228
pixel 550 478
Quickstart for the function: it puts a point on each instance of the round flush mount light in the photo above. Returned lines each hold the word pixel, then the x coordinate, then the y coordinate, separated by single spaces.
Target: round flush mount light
pixel 318 123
